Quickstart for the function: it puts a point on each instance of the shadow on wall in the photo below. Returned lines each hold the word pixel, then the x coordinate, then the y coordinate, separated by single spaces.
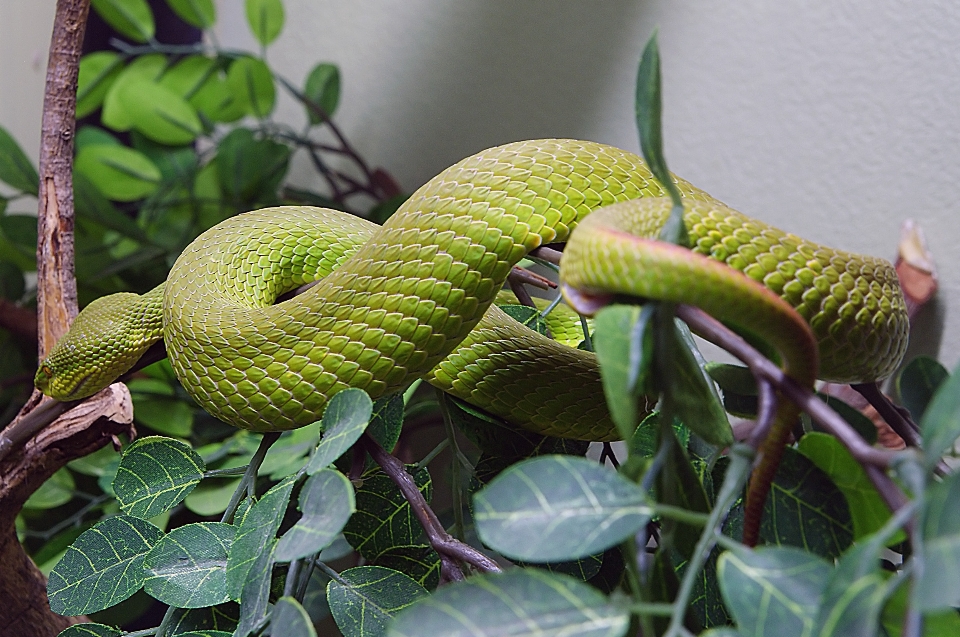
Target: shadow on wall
pixel 486 73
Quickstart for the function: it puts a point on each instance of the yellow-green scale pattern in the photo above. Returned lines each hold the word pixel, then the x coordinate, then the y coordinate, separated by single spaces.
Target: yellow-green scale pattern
pixel 399 305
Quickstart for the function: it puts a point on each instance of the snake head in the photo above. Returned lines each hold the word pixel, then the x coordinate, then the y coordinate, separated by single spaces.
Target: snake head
pixel 107 338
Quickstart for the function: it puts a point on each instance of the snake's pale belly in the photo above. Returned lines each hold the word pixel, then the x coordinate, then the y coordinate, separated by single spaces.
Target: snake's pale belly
pixel 399 302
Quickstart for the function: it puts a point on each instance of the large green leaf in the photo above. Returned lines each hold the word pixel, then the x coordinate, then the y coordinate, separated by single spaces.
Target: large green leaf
pixel 855 594
pixel 255 533
pixel 102 567
pixel 265 18
pixel 384 518
pixel 344 421
pixel 323 89
pixel 251 82
pixel 132 18
pixel 327 502
pixel 98 70
pixel 199 13
pixel 918 382
pixel 364 599
pixel 520 603
pixel 92 205
pixel 941 420
pixel 187 76
pixel 15 168
pixel 156 474
pixel 222 617
pixel 386 421
pixel 187 568
pixel 556 508
pixel 938 588
pixel 250 170
pixel 290 619
pixel 119 172
pixel 90 630
pixel 57 490
pixel 145 67
pixel 773 591
pixel 159 113
pixel 867 508
pixel 805 509
pixel 215 101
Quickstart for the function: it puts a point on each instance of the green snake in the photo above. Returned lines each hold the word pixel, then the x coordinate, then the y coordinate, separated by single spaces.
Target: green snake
pixel 413 298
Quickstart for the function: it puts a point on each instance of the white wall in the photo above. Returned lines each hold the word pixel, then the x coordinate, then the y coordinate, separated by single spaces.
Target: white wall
pixel 834 120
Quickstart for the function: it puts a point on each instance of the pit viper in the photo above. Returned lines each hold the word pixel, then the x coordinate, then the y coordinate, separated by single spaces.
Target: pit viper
pixel 413 298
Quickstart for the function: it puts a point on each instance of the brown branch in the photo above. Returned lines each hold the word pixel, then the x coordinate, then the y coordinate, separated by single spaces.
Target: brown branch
pixel 448 547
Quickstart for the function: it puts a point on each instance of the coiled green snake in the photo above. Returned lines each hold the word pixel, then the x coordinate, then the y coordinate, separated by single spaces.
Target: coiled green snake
pixel 413 298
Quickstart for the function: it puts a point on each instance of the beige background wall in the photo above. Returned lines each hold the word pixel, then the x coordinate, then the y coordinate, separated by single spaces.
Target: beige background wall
pixel 832 120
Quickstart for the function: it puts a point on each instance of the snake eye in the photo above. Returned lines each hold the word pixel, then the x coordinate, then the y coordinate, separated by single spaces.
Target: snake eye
pixel 47 371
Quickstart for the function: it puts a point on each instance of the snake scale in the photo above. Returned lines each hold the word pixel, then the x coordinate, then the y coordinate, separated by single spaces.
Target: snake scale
pixel 413 298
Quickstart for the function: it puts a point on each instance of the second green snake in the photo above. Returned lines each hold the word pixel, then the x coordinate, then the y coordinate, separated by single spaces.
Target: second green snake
pixel 413 298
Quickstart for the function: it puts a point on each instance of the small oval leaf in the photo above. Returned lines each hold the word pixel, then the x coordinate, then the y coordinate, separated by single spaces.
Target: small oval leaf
pixel 327 502
pixel 323 89
pixel 251 82
pixel 98 70
pixel 290 619
pixel 265 18
pixel 199 13
pixel 15 168
pixel 345 419
pixel 132 18
pixel 119 172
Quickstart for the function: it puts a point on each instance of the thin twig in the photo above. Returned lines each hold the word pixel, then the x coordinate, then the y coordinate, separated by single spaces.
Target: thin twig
pixel 898 418
pixel 442 542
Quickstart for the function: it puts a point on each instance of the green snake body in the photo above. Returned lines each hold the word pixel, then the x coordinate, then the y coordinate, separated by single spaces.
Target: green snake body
pixel 413 299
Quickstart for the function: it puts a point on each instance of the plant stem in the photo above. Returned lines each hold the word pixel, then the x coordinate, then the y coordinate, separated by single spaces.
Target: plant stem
pixel 250 475
pixel 455 477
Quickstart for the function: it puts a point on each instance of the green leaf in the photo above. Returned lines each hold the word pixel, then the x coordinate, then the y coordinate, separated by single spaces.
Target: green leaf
pixel 805 509
pixel 187 76
pixel 16 169
pixel 520 602
pixel 290 619
pixel 323 89
pixel 365 598
pixel 12 283
pixel 386 423
pixel 91 205
pixel 215 101
pixel 649 109
pixel 98 71
pixel 199 13
pixel 940 425
pixel 854 417
pixel 132 18
pixel 773 591
pixel 944 624
pixel 255 534
pixel 867 508
pixel 557 508
pixel 737 386
pixel 344 420
pixel 327 502
pixel 255 597
pixel 939 586
pixel 57 490
pixel 155 474
pixel 526 316
pixel 265 18
pixel 624 351
pixel 188 567
pixel 251 82
pixel 103 567
pixel 211 496
pixel 918 382
pixel 693 397
pixel 145 67
pixel 90 630
pixel 168 416
pixel 250 170
pixel 222 618
pixel 119 172
pixel 94 136
pixel 384 518
pixel 855 594
pixel 159 113
pixel 18 240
